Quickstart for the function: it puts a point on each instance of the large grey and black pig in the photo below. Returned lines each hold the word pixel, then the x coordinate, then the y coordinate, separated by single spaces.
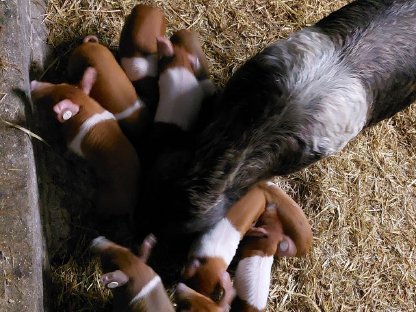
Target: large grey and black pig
pixel 302 99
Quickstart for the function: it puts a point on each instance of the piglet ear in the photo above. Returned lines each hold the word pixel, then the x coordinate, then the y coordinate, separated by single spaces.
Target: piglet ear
pixel 36 85
pixel 88 80
pixel 195 63
pixel 65 109
pixel 229 291
pixel 114 279
pixel 191 268
pixel 257 232
pixel 182 289
pixel 164 47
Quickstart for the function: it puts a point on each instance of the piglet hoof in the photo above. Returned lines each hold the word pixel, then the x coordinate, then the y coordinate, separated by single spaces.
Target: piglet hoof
pixel 146 247
pixel 65 109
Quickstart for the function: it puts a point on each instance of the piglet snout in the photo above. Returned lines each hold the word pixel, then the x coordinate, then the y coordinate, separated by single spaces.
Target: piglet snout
pixel 91 38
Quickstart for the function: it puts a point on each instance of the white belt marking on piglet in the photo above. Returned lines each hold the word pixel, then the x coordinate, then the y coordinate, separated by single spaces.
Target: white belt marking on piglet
pixel 75 144
pixel 252 280
pixel 180 98
pixel 147 289
pixel 221 241
pixel 139 67
pixel 129 110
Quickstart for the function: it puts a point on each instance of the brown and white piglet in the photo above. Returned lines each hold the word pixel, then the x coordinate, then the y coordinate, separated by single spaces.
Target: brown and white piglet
pixel 190 42
pixel 180 92
pixel 112 88
pixel 191 301
pixel 258 248
pixel 138 49
pixel 136 287
pixel 93 133
pixel 214 251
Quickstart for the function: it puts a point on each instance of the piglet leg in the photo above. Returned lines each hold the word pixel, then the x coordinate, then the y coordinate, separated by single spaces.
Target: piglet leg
pixel 295 225
pixel 65 110
pixel 146 247
pixel 114 279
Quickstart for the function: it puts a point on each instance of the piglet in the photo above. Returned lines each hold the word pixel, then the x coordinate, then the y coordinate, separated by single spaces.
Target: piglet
pixel 213 252
pixel 180 92
pixel 169 145
pixel 112 88
pixel 138 49
pixel 190 42
pixel 135 285
pixel 256 254
pixel 93 132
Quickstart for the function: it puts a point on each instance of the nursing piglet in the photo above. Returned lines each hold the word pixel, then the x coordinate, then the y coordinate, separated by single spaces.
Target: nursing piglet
pixel 181 93
pixel 190 42
pixel 112 89
pixel 138 50
pixel 136 287
pixel 213 252
pixel 181 96
pixel 256 253
pixel 170 142
pixel 93 132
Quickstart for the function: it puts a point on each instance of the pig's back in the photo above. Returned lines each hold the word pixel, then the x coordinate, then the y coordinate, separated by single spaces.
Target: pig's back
pixel 378 43
pixel 325 83
pixel 112 89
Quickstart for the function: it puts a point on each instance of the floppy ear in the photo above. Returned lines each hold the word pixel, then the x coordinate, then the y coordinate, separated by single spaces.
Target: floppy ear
pixel 88 80
pixel 229 290
pixel 164 47
pixel 191 268
pixel 114 279
pixel 65 109
pixel 182 289
pixel 36 85
pixel 185 297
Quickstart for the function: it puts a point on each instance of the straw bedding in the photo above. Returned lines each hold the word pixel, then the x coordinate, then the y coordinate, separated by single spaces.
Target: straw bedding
pixel 361 202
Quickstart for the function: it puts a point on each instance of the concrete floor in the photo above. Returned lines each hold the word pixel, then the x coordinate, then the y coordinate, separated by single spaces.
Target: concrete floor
pixel 22 254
